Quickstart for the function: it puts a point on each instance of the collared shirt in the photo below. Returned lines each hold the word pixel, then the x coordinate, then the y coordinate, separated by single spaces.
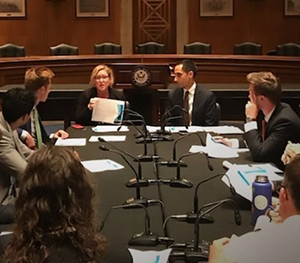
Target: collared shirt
pixel 274 243
pixel 191 99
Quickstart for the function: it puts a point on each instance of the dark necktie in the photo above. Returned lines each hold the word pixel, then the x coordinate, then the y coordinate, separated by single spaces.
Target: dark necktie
pixel 38 133
pixel 263 129
pixel 186 116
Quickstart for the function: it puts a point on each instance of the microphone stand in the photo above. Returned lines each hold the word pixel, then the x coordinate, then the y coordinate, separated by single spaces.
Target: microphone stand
pixel 163 120
pixel 146 238
pixel 142 120
pixel 138 199
pixel 177 181
pixel 195 255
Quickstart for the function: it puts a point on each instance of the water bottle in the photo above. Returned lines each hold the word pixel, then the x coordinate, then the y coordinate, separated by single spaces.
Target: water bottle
pixel 261 196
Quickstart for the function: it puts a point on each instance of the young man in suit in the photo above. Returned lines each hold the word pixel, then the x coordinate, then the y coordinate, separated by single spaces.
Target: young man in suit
pixel 270 124
pixel 272 242
pixel 17 104
pixel 38 81
pixel 199 102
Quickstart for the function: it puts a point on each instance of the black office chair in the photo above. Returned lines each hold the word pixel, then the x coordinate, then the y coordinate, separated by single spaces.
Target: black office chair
pixel 288 49
pixel 63 49
pixel 272 52
pixel 247 48
pixel 218 111
pixel 151 48
pixel 197 48
pixel 107 48
pixel 12 50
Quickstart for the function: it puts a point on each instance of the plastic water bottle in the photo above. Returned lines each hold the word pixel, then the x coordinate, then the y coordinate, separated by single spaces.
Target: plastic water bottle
pixel 261 196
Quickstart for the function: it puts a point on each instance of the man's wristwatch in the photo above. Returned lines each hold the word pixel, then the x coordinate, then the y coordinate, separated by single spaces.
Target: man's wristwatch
pixel 249 119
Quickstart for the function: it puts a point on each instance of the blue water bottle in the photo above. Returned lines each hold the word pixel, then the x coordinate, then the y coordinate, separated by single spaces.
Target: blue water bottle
pixel 261 196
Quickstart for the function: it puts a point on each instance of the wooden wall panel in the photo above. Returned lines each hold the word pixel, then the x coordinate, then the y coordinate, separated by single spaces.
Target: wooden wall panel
pixel 50 23
pixel 155 20
pixel 253 20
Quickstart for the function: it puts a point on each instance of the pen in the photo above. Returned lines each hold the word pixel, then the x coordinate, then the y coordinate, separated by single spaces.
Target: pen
pixel 243 177
pixel 156 259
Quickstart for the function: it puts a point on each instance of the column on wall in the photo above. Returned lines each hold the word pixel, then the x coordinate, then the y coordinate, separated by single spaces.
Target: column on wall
pixel 126 26
pixel 182 25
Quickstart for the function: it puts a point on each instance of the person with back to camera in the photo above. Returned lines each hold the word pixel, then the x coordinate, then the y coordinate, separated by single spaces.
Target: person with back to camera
pixel 54 213
pixel 271 242
pixel 101 80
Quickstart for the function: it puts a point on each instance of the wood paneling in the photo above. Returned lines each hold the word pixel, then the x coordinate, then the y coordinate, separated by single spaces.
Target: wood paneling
pixel 50 23
pixel 155 20
pixel 256 21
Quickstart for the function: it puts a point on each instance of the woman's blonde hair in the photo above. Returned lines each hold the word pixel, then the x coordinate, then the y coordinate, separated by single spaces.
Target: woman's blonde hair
pixel 96 70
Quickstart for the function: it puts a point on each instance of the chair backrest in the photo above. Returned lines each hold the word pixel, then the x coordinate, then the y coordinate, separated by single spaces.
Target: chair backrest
pixel 151 48
pixel 218 112
pixel 288 49
pixel 107 48
pixel 247 48
pixel 12 50
pixel 63 49
pixel 197 48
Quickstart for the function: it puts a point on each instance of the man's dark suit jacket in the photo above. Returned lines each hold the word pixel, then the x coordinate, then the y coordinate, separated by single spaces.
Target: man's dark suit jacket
pixel 204 112
pixel 283 126
pixel 83 114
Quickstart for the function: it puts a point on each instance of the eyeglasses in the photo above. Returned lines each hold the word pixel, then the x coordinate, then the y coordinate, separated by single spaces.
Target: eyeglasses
pixel 101 77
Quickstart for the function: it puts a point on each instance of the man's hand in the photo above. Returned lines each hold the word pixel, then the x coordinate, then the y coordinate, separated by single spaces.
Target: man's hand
pixel 29 141
pixel 216 254
pixel 251 110
pixel 291 150
pixel 62 134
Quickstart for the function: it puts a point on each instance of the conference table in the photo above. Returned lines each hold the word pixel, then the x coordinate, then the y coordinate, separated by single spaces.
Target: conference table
pixel 110 190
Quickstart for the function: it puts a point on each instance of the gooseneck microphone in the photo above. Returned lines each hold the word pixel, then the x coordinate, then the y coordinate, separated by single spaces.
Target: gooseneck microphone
pixel 201 253
pixel 178 181
pixel 145 238
pixel 164 120
pixel 193 214
pixel 138 199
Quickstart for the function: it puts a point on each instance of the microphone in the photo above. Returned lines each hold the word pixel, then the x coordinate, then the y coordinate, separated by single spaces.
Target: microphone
pixel 191 216
pixel 145 238
pixel 138 199
pixel 164 120
pixel 177 181
pixel 173 162
pixel 141 120
pixel 194 255
pixel 142 157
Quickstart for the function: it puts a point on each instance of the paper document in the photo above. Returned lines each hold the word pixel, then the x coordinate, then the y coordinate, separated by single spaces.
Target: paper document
pixel 215 150
pixel 71 142
pixel 215 129
pixel 108 110
pixel 243 175
pixel 150 256
pixel 109 128
pixel 109 138
pixel 95 166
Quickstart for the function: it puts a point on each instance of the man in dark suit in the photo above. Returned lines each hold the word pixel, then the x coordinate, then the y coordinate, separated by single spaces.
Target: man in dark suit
pixel 38 81
pixel 270 124
pixel 200 102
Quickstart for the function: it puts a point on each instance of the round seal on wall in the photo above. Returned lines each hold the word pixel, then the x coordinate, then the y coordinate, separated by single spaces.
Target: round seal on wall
pixel 141 76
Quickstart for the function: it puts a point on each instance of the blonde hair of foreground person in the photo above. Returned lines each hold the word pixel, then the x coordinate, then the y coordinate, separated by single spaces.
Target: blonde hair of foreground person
pixel 54 205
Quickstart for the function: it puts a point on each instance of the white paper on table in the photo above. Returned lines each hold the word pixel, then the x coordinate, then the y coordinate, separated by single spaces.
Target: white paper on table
pixel 150 256
pixel 71 142
pixel 95 166
pixel 108 110
pixel 243 175
pixel 109 138
pixel 223 129
pixel 109 128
